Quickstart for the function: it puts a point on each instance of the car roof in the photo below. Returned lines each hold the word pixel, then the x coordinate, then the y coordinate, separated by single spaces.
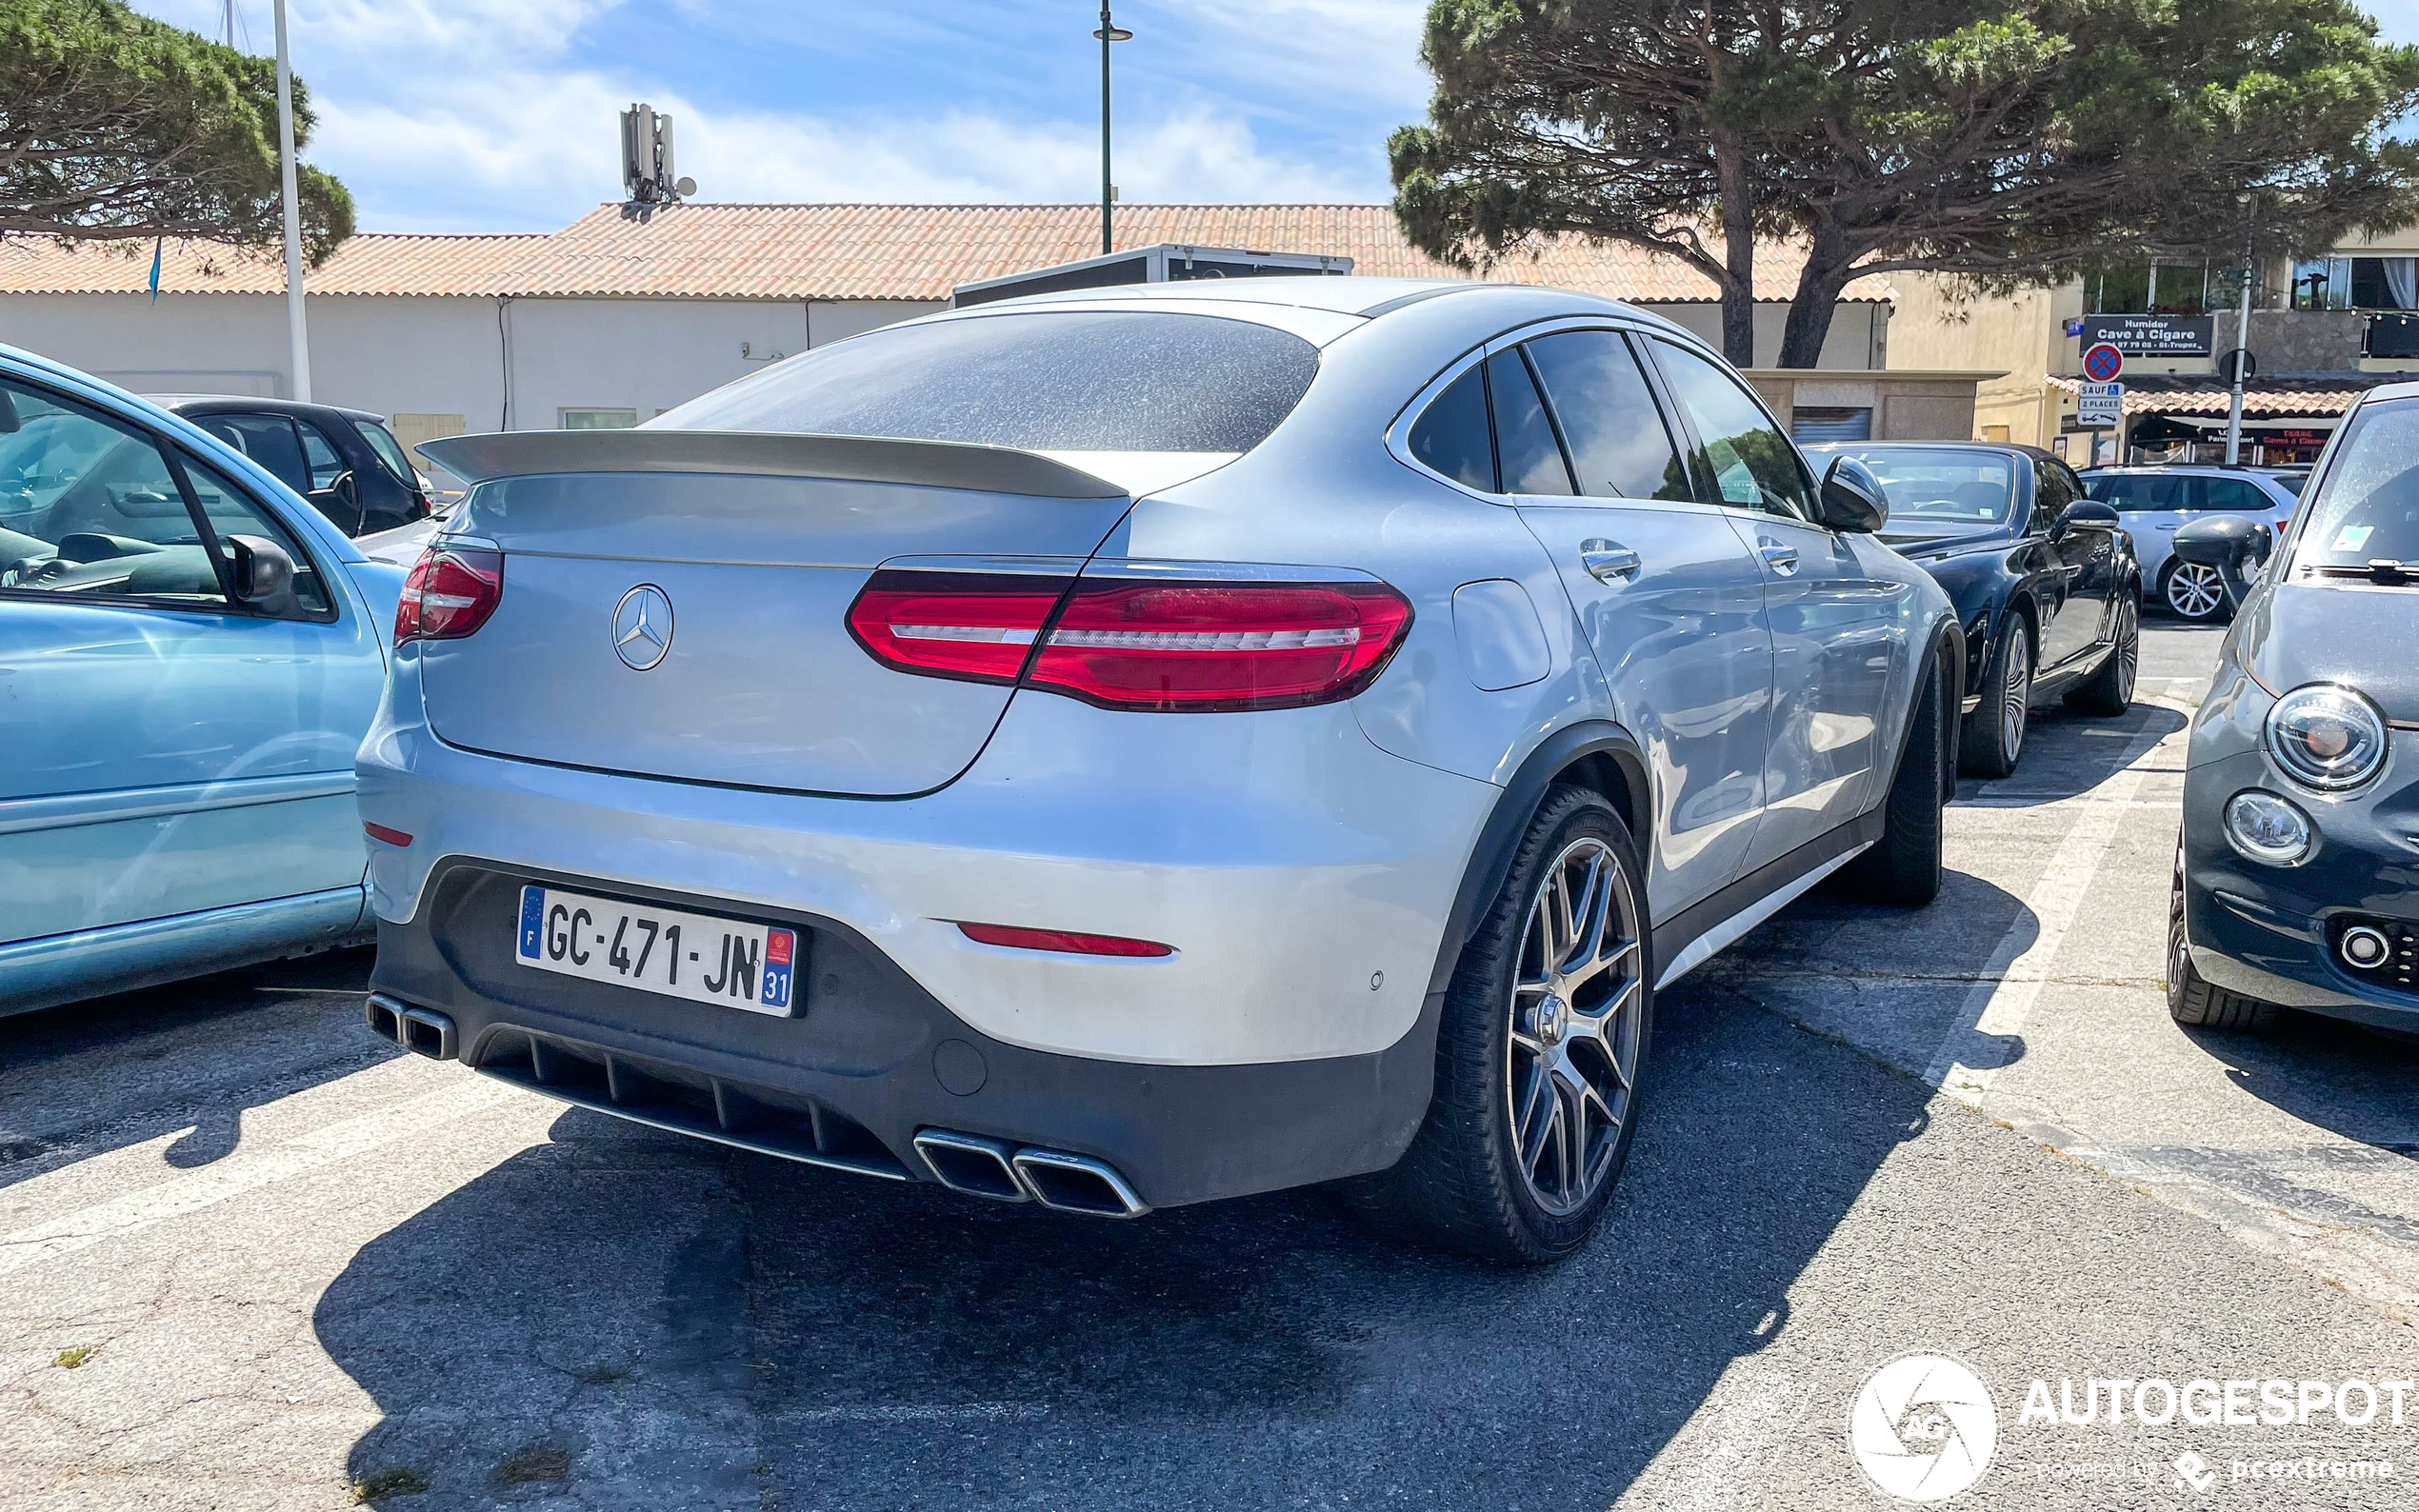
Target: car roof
pixel 252 404
pixel 1348 296
pixel 2004 447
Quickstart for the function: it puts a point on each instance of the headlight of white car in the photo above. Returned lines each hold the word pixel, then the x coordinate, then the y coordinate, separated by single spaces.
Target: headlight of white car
pixel 2326 737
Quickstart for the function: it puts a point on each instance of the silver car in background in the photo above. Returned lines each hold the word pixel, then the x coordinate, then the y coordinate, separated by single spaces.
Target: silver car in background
pixel 1128 748
pixel 2151 501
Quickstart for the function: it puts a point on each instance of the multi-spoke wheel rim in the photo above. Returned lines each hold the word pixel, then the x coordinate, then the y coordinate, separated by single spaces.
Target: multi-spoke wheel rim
pixel 2129 650
pixel 2015 694
pixel 2194 591
pixel 1576 1026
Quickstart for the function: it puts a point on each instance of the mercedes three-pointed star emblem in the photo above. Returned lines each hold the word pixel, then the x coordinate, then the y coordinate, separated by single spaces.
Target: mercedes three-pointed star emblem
pixel 643 626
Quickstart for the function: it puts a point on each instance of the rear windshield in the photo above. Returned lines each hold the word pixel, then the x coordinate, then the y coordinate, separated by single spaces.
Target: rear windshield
pixel 1040 381
pixel 2367 509
pixel 1935 492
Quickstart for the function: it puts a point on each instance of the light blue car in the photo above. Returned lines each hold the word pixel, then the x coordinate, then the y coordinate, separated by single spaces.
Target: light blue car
pixel 188 656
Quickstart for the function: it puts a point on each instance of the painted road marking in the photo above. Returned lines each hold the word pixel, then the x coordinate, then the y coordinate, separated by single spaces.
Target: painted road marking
pixel 1996 1007
pixel 241 1172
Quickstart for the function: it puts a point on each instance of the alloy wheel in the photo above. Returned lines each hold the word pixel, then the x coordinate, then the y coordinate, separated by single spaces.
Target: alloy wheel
pixel 1576 1026
pixel 2194 589
pixel 2129 646
pixel 2015 694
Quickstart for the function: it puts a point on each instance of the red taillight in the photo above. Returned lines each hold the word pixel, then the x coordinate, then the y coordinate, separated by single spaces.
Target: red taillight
pixel 976 625
pixel 450 593
pixel 1137 643
pixel 1067 940
pixel 1218 646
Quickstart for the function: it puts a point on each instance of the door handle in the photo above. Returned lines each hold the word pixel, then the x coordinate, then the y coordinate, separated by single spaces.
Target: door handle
pixel 1781 559
pixel 1608 560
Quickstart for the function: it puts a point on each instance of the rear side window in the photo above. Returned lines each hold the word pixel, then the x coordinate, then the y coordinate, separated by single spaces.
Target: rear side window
pixel 1619 445
pixel 269 440
pixel 1526 451
pixel 2141 494
pixel 2233 494
pixel 1040 381
pixel 389 449
pixel 1452 434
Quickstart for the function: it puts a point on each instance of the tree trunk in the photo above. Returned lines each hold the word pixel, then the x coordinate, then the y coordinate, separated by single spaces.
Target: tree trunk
pixel 1827 271
pixel 1738 250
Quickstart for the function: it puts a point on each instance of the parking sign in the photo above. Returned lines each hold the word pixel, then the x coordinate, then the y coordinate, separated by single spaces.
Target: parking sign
pixel 2098 405
pixel 2102 361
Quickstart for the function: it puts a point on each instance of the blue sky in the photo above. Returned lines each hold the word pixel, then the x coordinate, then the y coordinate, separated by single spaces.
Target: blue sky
pixel 500 115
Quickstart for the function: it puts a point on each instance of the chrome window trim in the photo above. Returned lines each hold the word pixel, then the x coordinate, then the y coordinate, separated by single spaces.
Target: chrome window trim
pixel 1398 433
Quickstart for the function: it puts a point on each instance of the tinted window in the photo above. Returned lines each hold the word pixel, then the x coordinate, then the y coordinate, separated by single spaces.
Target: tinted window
pixel 389 451
pixel 1940 490
pixel 87 507
pixel 1619 445
pixel 2140 492
pixel 2051 495
pixel 2233 494
pixel 1752 464
pixel 2368 507
pixel 325 461
pixel 1050 379
pixel 269 440
pixel 1452 434
pixel 1526 451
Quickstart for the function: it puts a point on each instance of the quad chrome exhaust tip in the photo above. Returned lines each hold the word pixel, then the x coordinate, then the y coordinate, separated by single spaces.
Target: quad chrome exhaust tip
pixel 423 1031
pixel 1007 1173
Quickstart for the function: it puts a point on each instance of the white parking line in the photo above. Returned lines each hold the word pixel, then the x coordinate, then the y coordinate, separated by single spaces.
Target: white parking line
pixel 1996 1007
pixel 241 1172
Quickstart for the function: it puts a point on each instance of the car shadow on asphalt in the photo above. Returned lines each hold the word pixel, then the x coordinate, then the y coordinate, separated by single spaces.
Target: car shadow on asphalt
pixel 2351 1080
pixel 2066 754
pixel 88 1077
pixel 669 1324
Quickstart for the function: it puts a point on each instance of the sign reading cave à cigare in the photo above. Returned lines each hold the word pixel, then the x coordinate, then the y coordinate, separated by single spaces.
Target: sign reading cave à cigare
pixel 2152 335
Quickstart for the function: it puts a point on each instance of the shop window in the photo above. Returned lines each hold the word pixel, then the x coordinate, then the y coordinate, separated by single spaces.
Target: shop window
pixel 2321 283
pixel 2384 283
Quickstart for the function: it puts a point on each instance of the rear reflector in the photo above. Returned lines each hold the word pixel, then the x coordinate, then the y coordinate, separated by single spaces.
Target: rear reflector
pixel 977 627
pixel 450 593
pixel 1065 941
pixel 393 837
pixel 1218 646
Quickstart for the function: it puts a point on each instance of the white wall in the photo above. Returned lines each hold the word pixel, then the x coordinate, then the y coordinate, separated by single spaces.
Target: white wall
pixel 429 355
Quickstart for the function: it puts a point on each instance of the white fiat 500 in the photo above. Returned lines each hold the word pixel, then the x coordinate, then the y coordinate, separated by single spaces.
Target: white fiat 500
pixel 1135 747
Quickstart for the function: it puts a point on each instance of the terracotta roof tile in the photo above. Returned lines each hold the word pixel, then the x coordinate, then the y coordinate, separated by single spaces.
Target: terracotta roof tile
pixel 2202 394
pixel 848 251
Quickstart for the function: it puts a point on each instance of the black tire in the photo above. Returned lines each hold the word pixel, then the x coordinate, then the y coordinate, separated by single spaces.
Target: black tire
pixel 2192 998
pixel 1463 1184
pixel 1903 866
pixel 2192 611
pixel 2110 692
pixel 1991 738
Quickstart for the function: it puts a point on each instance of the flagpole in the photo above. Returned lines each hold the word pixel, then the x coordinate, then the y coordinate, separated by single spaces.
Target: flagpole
pixel 297 336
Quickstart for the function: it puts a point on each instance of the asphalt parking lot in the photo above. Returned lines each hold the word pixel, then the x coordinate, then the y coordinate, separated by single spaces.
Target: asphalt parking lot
pixel 251 1257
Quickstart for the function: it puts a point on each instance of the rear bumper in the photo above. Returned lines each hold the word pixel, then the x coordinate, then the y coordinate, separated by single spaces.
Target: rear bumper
pixel 872 1059
pixel 1302 876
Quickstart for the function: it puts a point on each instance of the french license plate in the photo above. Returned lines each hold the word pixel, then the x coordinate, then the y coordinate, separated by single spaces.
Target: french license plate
pixel 683 955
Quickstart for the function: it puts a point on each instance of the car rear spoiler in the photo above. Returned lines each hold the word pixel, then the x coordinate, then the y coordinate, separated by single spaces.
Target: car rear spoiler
pixel 764 453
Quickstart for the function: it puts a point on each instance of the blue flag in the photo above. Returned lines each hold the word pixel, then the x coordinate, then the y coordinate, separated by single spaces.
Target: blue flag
pixel 156 248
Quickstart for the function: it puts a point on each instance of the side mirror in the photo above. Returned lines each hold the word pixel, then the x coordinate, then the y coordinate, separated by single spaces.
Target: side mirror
pixel 264 575
pixel 1852 497
pixel 2083 511
pixel 2233 544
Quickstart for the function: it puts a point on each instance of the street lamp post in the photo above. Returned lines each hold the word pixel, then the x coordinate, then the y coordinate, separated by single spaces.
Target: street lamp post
pixel 1109 31
pixel 297 335
pixel 2242 339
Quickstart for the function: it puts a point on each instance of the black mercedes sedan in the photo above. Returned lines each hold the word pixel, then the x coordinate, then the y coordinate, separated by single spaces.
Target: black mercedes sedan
pixel 2045 581
pixel 2295 873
